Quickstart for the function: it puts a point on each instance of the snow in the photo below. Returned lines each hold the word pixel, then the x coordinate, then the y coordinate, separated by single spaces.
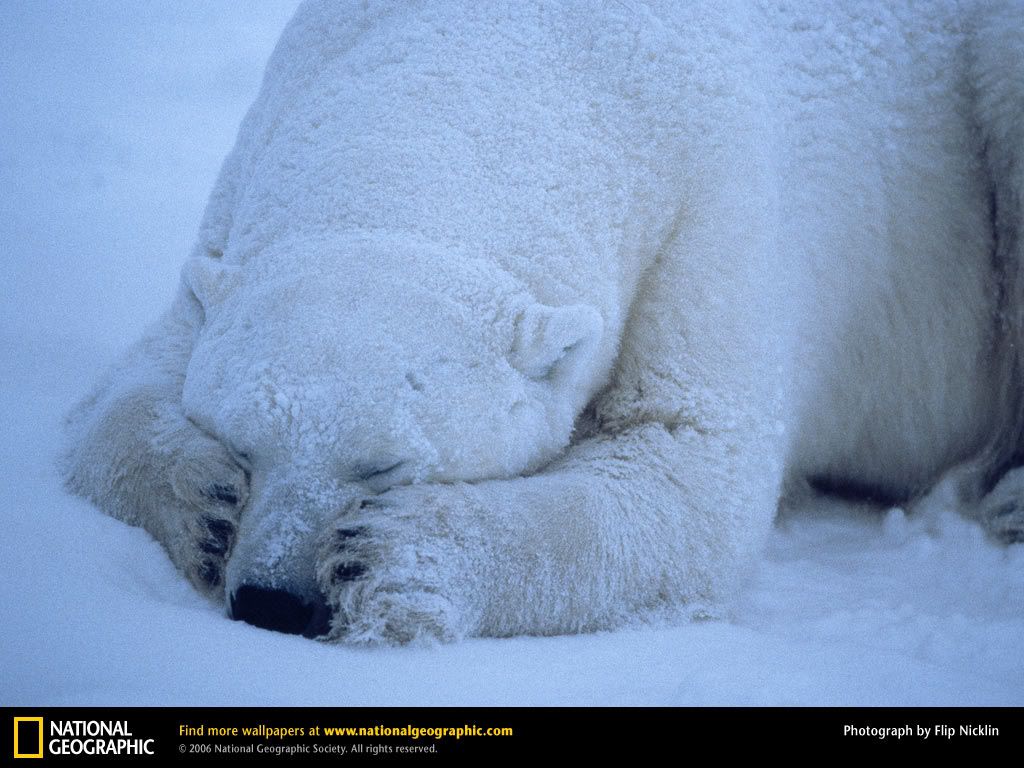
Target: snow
pixel 115 117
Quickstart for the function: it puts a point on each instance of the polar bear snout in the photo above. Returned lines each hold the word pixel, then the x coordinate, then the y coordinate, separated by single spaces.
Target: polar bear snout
pixel 270 578
pixel 280 610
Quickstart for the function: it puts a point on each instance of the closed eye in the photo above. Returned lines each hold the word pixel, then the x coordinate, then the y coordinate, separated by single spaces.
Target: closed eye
pixel 377 471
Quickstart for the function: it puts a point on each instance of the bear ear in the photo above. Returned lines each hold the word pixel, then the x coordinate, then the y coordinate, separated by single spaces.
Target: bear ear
pixel 548 336
pixel 209 279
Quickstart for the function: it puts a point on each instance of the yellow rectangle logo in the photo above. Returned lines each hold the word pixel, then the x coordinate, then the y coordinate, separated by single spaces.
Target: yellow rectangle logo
pixel 34 745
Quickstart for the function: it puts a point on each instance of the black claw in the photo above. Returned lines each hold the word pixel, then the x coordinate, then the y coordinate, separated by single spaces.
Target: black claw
pixel 220 529
pixel 349 571
pixel 345 534
pixel 209 573
pixel 219 540
pixel 226 494
pixel 213 547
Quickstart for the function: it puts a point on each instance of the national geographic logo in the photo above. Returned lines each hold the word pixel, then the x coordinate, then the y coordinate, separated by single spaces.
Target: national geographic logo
pixel 28 737
pixel 76 737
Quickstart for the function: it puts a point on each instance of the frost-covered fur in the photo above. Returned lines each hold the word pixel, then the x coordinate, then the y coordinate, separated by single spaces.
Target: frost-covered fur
pixel 518 318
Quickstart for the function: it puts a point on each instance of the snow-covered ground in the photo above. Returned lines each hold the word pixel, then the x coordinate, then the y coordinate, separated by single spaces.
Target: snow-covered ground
pixel 113 119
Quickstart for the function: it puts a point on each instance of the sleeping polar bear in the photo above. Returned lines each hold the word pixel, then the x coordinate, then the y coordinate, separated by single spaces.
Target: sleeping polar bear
pixel 526 317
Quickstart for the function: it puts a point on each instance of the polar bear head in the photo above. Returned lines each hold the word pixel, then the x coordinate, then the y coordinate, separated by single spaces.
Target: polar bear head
pixel 343 370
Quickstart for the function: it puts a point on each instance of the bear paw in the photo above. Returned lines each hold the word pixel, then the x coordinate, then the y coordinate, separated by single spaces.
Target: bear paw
pixel 393 570
pixel 210 489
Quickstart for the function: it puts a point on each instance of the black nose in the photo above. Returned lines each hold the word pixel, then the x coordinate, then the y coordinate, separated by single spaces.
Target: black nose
pixel 280 610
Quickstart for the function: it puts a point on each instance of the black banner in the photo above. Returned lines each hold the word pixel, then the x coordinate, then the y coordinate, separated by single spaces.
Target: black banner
pixel 296 735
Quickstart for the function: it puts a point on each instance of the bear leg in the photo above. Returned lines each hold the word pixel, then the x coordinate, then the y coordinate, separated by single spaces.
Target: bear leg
pixel 132 452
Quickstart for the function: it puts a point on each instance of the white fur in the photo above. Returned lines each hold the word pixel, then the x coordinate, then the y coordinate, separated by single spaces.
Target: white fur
pixel 517 317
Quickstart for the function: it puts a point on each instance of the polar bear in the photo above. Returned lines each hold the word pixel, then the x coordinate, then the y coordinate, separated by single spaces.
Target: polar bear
pixel 527 318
